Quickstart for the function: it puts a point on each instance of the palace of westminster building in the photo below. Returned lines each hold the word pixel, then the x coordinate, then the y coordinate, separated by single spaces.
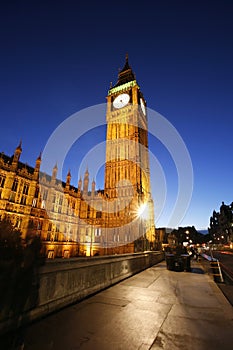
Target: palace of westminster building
pixel 74 221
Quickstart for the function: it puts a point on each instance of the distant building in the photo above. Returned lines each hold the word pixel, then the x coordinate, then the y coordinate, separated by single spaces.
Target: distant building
pixel 75 221
pixel 164 237
pixel 221 225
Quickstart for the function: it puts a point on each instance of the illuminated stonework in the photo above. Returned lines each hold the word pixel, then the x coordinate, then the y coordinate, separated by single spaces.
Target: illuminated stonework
pixel 127 170
pixel 122 217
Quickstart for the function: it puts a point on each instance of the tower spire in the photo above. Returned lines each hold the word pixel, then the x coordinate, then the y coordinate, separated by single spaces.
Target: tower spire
pixel 68 178
pixel 17 153
pixel 126 74
pixel 86 182
pixel 37 167
pixel 54 173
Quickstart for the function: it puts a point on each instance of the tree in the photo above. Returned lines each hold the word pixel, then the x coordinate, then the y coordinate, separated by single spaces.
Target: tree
pixel 10 241
pixel 19 271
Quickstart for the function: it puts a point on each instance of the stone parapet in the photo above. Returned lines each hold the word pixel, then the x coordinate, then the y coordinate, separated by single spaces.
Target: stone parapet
pixel 62 282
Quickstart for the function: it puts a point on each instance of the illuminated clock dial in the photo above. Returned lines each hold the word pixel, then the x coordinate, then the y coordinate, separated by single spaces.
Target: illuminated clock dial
pixel 121 101
pixel 143 106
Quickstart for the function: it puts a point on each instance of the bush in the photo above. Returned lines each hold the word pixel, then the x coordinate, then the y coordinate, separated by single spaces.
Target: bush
pixel 10 242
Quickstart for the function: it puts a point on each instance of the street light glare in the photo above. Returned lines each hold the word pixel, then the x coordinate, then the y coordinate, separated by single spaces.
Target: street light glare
pixel 143 211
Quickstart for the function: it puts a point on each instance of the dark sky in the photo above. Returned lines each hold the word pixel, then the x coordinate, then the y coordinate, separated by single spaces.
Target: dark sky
pixel 58 57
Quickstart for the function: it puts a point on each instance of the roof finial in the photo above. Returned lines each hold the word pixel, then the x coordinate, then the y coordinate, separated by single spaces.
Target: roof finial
pixel 20 145
pixel 40 156
pixel 126 57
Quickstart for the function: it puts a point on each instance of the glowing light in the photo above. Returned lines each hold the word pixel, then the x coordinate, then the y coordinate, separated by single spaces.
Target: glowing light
pixel 88 249
pixel 143 211
pixel 122 87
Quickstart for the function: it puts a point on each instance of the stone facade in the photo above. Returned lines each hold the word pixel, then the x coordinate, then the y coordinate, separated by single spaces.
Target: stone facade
pixel 74 221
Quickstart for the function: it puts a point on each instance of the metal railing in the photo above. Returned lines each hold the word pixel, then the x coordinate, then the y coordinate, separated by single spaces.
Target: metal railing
pixel 214 267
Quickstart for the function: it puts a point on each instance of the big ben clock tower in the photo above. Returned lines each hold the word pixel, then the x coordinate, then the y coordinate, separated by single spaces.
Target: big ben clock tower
pixel 129 212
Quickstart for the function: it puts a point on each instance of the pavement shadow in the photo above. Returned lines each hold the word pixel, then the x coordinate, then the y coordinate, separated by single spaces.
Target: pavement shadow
pixel 197 270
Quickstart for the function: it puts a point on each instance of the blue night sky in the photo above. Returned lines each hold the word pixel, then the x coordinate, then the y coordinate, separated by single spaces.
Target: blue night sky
pixel 59 57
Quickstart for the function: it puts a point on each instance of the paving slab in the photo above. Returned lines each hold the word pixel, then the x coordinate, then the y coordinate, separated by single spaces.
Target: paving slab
pixel 155 309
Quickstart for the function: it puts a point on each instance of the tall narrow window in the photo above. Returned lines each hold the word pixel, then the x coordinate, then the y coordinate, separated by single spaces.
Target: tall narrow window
pixel 18 222
pixel 23 200
pixel 45 194
pixel 15 185
pixel 88 211
pixel 12 197
pixel 2 181
pixel 25 189
pixel 37 192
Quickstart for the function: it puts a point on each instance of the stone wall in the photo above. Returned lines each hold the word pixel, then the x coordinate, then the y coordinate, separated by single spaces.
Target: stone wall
pixel 61 282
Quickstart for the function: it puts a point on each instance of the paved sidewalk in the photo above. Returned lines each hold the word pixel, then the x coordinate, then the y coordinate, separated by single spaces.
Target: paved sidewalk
pixel 155 309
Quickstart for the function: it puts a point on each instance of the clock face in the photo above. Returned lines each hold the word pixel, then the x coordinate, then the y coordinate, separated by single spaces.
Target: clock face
pixel 143 106
pixel 121 101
